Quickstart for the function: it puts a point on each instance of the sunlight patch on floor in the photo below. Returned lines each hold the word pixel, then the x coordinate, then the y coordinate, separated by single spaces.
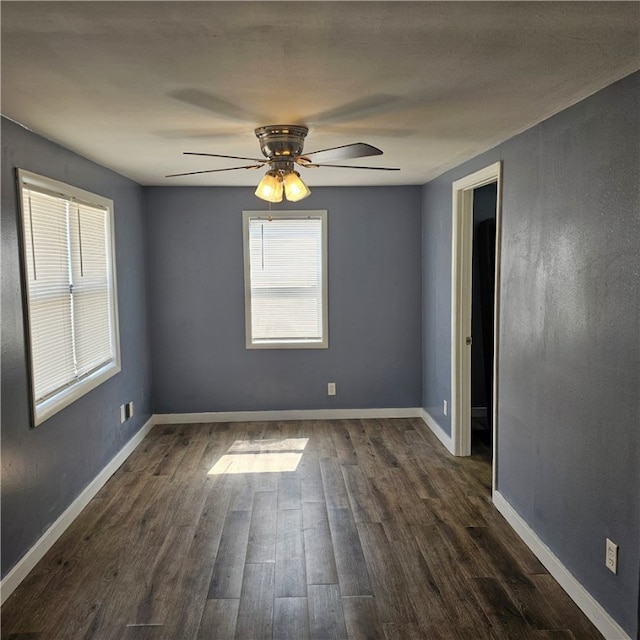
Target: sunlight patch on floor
pixel 261 456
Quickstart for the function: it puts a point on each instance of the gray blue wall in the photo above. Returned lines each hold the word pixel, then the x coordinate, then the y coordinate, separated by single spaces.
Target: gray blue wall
pixel 568 445
pixel 46 468
pixel 436 300
pixel 196 291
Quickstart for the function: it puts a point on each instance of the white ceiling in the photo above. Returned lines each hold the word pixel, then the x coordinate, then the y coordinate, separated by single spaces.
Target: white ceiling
pixel 132 85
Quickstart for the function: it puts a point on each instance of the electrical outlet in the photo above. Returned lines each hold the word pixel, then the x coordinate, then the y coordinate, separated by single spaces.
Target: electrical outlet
pixel 331 388
pixel 123 413
pixel 129 409
pixel 445 407
pixel 612 556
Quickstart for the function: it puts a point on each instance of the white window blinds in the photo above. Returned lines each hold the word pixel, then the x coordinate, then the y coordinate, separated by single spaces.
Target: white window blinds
pixel 286 283
pixel 70 293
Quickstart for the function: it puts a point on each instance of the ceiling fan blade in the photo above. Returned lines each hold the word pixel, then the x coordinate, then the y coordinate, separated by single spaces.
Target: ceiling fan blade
pixel 209 134
pixel 217 155
pixel 219 106
pixel 360 108
pixel 193 173
pixel 346 152
pixel 349 166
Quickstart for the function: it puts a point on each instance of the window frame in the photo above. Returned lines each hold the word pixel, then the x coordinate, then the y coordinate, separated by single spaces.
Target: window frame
pixel 43 410
pixel 320 214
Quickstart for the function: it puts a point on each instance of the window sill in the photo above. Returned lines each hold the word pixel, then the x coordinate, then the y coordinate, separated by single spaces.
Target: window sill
pixel 47 408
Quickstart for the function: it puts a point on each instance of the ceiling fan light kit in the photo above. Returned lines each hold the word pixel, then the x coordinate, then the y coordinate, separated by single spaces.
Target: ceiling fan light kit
pixel 282 181
pixel 282 146
pixel 270 187
pixel 294 188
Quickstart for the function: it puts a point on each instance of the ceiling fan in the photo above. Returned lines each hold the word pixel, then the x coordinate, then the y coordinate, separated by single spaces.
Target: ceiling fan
pixel 282 145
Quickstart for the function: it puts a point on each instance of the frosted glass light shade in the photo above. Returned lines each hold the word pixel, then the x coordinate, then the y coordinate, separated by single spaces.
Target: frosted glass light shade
pixel 294 188
pixel 270 187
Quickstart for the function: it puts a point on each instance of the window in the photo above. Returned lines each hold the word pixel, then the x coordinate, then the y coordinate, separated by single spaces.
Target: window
pixel 285 276
pixel 69 272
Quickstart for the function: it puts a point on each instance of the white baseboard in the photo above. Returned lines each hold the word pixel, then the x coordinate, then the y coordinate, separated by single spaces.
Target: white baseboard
pixel 607 626
pixel 47 540
pixel 438 431
pixel 302 414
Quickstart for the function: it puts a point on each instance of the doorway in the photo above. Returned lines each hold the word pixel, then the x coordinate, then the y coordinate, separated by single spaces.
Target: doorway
pixel 462 304
pixel 482 312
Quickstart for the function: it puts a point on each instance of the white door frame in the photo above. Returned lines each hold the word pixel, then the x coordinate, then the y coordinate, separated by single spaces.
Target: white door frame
pixel 461 278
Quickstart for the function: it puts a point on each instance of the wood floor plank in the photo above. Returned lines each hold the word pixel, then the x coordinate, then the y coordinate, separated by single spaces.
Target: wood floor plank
pixel 420 480
pixel 165 572
pixel 469 561
pixel 65 561
pixel 188 602
pixel 172 457
pixel 345 451
pixel 501 610
pixel 245 486
pixel 145 457
pixel 350 563
pixel 421 588
pixel 383 453
pixel 361 618
pixel 406 631
pixel 386 577
pixel 291 619
pixel 288 490
pixel 326 616
pixel 323 443
pixel 142 632
pixel 334 488
pixel 399 498
pixel 228 570
pixel 311 487
pixel 502 562
pixel 318 546
pixel 363 505
pixel 532 606
pixel 454 585
pixel 565 614
pixel 219 620
pixel 528 563
pixel 211 524
pixel 261 546
pixel 186 501
pixel 367 460
pixel 191 461
pixel 255 613
pixel 291 572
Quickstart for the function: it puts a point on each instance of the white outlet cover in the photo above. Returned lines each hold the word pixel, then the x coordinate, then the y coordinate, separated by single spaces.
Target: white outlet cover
pixel 612 556
pixel 123 413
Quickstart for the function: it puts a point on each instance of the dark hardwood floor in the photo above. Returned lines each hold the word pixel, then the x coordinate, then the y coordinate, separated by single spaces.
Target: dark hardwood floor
pixel 212 531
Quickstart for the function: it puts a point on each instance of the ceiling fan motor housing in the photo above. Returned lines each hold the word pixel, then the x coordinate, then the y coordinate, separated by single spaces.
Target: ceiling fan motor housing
pixel 281 141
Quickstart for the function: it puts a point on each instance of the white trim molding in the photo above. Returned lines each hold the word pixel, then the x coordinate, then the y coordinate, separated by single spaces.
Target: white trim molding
pixel 461 280
pixel 438 431
pixel 295 414
pixel 49 537
pixel 605 624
